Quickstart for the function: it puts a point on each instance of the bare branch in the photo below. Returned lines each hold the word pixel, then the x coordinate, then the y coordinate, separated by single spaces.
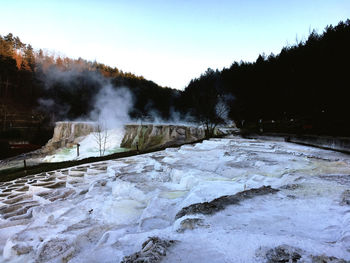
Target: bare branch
pixel 101 137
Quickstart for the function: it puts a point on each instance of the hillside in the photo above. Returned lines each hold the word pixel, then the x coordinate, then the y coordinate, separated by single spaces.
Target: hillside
pixel 38 88
pixel 303 89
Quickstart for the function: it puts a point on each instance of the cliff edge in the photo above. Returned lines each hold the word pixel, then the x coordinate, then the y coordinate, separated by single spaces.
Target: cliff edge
pixel 148 136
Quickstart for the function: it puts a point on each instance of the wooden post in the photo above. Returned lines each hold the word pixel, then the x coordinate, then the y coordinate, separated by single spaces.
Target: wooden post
pixel 25 167
pixel 78 149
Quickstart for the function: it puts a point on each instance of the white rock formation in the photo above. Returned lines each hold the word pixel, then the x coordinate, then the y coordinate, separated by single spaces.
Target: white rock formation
pixel 67 133
pixel 149 136
pixel 104 212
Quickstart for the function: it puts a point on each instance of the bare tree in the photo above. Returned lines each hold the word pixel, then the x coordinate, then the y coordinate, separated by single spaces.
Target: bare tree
pixel 208 101
pixel 215 116
pixel 101 138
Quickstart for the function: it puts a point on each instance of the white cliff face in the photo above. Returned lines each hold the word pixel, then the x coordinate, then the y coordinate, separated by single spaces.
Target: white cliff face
pixel 63 145
pixel 149 136
pixel 68 133
pixel 102 212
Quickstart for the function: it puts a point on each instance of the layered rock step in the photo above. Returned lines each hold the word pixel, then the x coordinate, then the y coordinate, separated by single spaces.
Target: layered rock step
pixel 148 136
pixel 68 133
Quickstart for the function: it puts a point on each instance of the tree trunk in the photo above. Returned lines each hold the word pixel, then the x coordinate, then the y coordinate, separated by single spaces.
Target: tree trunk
pixel 5 117
pixel 6 87
pixel 1 92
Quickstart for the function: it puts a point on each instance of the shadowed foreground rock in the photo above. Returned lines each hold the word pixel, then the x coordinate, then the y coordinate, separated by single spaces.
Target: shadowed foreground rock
pixel 326 259
pixel 289 254
pixel 283 253
pixel 153 249
pixel 345 198
pixel 222 202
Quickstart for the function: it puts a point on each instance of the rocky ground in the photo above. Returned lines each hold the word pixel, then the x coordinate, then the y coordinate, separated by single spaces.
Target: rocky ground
pixel 223 200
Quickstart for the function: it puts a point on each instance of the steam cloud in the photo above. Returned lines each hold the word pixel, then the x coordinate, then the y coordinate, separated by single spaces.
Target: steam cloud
pixel 111 108
pixel 99 100
pixel 108 106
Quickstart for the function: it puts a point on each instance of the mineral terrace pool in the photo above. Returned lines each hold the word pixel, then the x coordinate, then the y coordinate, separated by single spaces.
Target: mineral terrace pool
pixel 104 212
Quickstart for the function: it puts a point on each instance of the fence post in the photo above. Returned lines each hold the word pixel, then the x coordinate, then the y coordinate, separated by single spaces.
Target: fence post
pixel 25 166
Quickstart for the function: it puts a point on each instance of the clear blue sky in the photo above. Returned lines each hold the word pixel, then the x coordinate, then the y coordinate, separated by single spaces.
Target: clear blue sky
pixel 169 42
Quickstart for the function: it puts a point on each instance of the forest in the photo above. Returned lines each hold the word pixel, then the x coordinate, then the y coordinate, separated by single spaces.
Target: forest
pixel 27 76
pixel 303 89
pixel 38 88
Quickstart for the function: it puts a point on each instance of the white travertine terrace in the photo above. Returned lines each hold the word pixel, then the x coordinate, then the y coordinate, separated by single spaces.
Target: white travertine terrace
pixel 68 133
pixel 102 212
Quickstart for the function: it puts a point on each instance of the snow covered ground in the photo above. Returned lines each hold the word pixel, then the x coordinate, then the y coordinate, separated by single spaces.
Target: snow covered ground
pixel 89 147
pixel 102 212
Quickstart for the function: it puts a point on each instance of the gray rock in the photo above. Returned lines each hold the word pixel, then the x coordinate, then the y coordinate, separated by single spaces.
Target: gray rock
pixel 222 202
pixel 283 253
pixel 289 254
pixel 58 249
pixel 153 250
pixel 345 198
pixel 22 249
pixel 190 223
pixel 326 259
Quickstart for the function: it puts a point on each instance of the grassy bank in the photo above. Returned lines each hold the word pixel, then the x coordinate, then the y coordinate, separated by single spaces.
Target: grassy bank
pixel 14 173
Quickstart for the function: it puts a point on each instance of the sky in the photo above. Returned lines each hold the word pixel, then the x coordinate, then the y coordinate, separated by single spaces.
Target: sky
pixel 168 42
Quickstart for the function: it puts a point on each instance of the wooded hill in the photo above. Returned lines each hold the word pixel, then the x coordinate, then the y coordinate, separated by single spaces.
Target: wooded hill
pixel 25 73
pixel 304 89
pixel 30 80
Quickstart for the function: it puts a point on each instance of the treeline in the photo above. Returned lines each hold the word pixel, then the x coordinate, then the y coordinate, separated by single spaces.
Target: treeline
pixel 29 77
pixel 17 64
pixel 302 89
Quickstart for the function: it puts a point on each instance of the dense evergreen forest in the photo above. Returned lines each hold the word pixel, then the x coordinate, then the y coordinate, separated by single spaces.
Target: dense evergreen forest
pixel 303 89
pixel 28 77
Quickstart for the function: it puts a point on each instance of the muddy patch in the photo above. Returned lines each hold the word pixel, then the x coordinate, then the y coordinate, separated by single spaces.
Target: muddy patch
pixel 345 198
pixel 288 254
pixel 222 202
